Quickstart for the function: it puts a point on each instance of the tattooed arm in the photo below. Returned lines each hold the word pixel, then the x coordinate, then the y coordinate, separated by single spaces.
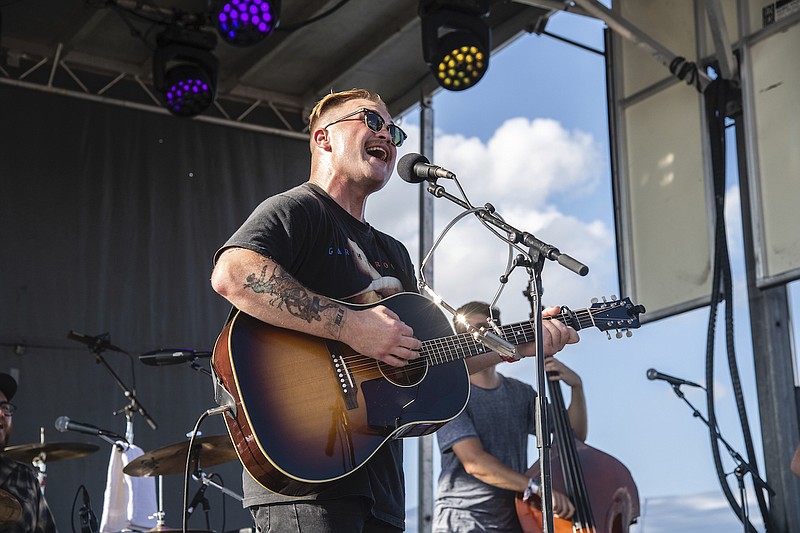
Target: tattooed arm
pixel 261 288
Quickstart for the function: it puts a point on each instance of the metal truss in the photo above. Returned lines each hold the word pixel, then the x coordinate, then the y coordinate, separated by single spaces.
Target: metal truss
pixel 109 82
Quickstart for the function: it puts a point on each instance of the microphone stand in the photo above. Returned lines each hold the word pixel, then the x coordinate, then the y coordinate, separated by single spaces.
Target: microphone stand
pixel 200 496
pixel 97 346
pixel 543 431
pixel 515 236
pixel 198 367
pixel 206 480
pixel 742 466
pixel 538 251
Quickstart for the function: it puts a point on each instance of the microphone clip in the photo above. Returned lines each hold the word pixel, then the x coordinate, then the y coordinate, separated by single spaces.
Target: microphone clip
pixel 494 342
pixel 199 499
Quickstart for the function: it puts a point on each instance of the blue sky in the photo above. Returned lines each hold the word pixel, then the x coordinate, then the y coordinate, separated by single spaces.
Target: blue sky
pixel 532 139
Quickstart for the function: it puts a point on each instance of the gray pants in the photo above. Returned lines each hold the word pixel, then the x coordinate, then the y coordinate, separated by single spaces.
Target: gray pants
pixel 344 515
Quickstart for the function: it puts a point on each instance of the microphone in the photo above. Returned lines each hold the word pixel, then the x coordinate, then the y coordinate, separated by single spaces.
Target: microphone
pixel 63 423
pixel 170 356
pixel 99 343
pixel 199 497
pixel 415 168
pixel 655 374
pixel 495 343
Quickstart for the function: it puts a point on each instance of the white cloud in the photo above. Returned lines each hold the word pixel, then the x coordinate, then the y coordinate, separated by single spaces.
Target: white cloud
pixel 531 159
pixel 521 170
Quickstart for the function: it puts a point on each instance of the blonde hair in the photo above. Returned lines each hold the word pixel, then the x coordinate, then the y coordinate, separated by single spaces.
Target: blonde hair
pixel 329 101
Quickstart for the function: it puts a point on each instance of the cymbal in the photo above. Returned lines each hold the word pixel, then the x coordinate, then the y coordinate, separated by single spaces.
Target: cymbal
pixel 213 450
pixel 10 509
pixel 50 451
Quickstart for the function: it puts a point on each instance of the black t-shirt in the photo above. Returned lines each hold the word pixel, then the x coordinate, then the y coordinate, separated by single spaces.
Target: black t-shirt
pixel 330 252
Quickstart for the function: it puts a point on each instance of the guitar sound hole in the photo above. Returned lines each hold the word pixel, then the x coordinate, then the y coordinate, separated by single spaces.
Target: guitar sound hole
pixel 407 376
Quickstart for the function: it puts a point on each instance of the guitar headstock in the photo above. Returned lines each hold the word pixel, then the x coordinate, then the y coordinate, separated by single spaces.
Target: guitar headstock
pixel 620 315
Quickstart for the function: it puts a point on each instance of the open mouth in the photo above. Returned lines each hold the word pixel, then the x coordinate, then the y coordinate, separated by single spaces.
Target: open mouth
pixel 379 152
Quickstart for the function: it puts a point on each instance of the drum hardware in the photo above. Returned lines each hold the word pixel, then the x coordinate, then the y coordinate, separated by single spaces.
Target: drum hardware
pixel 49 452
pixel 41 453
pixel 171 459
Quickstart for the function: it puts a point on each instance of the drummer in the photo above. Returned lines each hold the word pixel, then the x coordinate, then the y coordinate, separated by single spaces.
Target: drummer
pixel 20 479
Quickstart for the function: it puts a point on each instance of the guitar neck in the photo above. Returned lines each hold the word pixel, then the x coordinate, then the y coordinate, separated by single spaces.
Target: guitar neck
pixel 465 345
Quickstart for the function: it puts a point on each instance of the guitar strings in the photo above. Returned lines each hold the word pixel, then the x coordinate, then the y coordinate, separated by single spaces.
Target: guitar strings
pixel 464 345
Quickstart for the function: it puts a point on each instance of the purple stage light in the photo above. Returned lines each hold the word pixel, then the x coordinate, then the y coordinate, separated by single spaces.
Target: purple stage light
pixel 245 22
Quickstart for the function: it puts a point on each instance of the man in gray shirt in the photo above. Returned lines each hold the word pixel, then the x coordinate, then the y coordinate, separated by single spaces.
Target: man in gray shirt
pixel 484 449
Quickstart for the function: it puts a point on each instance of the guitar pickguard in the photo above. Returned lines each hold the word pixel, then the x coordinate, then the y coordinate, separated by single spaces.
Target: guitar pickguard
pixel 347 381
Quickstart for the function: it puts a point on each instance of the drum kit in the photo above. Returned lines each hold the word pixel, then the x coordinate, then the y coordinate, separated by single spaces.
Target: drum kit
pixel 206 452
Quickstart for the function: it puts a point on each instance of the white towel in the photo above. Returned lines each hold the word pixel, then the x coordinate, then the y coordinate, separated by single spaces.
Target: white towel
pixel 129 501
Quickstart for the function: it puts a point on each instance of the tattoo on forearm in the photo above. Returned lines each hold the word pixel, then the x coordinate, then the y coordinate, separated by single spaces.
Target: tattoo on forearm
pixel 334 327
pixel 286 293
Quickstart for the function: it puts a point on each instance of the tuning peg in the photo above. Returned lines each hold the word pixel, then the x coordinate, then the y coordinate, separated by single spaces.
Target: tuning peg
pixel 628 333
pixel 608 334
pixel 594 300
pixel 613 297
pixel 619 334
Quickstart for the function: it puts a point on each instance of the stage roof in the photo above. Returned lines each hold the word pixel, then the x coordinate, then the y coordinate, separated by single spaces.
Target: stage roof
pixel 102 49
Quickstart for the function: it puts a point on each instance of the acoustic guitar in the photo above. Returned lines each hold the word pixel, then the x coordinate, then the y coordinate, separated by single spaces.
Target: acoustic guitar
pixel 307 411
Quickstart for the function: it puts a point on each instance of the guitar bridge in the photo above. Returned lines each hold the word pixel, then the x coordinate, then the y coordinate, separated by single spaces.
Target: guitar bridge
pixel 347 382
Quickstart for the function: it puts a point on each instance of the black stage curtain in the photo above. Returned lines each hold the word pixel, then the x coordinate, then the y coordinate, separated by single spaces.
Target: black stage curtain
pixel 110 218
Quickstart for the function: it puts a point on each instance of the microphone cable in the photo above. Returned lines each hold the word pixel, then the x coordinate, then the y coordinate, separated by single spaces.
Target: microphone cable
pixel 88 519
pixel 187 473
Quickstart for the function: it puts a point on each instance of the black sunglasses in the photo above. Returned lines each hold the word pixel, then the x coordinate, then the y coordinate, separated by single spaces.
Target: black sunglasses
pixel 376 123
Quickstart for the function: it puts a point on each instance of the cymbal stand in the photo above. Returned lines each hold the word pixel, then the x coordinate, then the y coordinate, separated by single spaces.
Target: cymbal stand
pixel 159 514
pixel 40 462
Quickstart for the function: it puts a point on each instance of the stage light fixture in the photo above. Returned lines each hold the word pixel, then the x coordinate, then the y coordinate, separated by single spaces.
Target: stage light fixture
pixel 245 22
pixel 185 71
pixel 456 43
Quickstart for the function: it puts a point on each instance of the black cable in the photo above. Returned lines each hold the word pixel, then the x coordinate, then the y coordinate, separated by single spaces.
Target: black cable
pixel 717 95
pixel 222 496
pixel 574 43
pixel 87 516
pixel 189 456
pixel 72 511
pixel 686 71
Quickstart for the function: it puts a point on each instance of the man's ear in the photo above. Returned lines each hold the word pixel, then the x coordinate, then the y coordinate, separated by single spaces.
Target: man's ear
pixel 320 138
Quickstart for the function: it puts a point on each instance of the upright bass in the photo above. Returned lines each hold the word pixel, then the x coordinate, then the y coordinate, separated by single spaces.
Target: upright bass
pixel 600 487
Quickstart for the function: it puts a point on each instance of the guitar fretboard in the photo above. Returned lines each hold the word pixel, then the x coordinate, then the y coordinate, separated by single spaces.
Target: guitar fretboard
pixel 464 345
